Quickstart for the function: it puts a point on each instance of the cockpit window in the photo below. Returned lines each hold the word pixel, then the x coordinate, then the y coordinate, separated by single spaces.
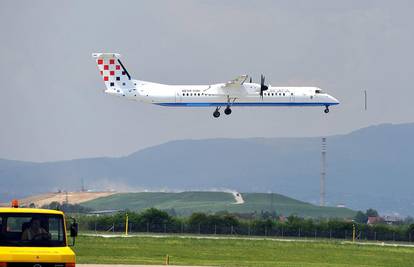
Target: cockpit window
pixel 318 91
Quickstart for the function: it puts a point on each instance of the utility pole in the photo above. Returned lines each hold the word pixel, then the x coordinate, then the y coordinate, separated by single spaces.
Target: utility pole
pixel 83 186
pixel 271 202
pixel 323 172
pixel 366 99
pixel 353 232
pixel 66 197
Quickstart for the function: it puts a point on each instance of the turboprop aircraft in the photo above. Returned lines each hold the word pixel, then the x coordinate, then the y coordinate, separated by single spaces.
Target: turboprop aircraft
pixel 240 91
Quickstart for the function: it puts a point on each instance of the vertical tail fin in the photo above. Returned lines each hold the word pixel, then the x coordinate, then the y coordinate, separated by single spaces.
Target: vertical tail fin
pixel 116 78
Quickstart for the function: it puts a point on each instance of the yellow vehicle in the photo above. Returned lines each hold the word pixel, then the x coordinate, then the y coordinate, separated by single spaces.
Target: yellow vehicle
pixel 35 238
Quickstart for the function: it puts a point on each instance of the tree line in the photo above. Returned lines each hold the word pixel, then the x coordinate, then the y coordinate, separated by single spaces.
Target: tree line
pixel 65 207
pixel 158 221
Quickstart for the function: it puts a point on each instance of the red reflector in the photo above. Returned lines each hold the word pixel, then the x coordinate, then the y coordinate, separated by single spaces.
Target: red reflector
pixel 106 78
pixel 111 61
pixel 3 264
pixel 106 67
pixel 70 264
pixel 100 61
pixel 118 67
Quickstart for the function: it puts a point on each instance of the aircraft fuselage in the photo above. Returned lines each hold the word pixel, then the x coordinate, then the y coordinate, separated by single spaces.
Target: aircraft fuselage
pixel 204 96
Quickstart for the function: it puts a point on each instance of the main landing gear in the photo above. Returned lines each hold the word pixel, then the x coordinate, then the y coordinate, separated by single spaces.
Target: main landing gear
pixel 326 109
pixel 216 113
pixel 227 110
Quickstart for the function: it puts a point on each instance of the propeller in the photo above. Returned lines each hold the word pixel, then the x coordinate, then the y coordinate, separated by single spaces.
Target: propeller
pixel 263 87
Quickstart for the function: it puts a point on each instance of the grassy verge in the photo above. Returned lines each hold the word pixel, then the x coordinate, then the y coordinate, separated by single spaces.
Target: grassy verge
pixel 237 252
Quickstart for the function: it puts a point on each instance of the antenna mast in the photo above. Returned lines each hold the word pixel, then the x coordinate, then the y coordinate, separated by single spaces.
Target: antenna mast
pixel 323 172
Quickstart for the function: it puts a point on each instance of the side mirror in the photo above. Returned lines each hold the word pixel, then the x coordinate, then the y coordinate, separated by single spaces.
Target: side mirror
pixel 74 229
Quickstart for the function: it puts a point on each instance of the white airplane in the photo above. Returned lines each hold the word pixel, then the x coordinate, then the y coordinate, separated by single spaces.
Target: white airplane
pixel 236 92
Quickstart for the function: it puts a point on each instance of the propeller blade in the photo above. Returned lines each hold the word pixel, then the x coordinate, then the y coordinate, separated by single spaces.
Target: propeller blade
pixel 263 87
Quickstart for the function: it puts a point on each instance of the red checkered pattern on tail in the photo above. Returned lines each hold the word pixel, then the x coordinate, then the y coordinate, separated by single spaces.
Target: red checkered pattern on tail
pixel 112 72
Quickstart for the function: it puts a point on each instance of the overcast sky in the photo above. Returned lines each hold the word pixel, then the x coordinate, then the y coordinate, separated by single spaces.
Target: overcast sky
pixel 52 106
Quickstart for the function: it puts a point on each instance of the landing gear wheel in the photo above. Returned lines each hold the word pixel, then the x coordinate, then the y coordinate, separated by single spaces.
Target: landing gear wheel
pixel 216 114
pixel 326 110
pixel 227 111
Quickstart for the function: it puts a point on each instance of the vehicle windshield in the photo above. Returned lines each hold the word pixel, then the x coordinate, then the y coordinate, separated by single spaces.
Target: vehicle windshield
pixel 31 230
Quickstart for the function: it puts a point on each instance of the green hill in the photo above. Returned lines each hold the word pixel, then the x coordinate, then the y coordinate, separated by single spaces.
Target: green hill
pixel 185 203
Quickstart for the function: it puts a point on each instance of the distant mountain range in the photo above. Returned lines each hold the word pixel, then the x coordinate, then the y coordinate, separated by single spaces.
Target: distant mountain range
pixel 370 167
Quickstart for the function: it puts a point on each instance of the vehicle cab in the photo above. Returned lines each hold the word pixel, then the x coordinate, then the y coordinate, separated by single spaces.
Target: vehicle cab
pixel 34 237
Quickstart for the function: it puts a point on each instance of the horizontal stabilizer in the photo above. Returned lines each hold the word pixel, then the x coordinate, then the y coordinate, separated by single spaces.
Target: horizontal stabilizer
pixel 106 55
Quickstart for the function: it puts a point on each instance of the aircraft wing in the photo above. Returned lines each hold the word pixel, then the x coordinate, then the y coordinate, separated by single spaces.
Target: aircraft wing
pixel 233 88
pixel 236 82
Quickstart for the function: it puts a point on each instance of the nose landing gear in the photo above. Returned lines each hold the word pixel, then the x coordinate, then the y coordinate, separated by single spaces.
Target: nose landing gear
pixel 326 109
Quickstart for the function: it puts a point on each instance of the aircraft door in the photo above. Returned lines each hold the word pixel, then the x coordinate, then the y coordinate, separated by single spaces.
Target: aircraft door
pixel 292 97
pixel 177 96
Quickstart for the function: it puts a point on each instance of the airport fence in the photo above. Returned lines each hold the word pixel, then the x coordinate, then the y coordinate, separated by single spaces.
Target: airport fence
pixel 260 228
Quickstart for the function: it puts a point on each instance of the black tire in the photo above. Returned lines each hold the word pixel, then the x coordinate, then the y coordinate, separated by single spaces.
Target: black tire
pixel 216 114
pixel 326 110
pixel 227 111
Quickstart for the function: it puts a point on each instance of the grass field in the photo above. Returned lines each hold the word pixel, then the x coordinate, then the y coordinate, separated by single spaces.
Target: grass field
pixel 186 203
pixel 237 252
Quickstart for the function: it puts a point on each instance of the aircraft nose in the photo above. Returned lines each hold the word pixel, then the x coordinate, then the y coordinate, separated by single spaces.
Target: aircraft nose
pixel 334 100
